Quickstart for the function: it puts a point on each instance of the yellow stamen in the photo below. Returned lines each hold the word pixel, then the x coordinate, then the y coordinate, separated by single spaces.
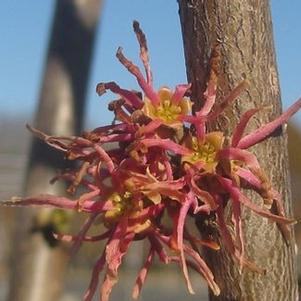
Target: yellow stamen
pixel 204 151
pixel 166 110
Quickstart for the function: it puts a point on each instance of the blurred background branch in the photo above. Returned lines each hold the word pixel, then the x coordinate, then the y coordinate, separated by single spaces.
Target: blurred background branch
pixel 38 261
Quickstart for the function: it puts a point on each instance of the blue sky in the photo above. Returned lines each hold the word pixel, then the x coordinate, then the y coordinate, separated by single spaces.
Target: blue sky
pixel 25 28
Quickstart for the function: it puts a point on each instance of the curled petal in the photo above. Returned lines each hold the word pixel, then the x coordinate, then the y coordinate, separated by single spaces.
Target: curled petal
pixel 130 97
pixel 148 90
pixel 120 114
pixel 143 51
pixel 179 93
pixel 60 143
pixel 104 157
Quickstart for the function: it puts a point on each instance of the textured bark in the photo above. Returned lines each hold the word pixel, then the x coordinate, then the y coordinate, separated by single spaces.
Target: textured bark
pixel 243 28
pixel 39 262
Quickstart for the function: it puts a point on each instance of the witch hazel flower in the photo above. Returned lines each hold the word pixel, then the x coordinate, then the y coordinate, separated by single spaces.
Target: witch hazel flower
pixel 165 166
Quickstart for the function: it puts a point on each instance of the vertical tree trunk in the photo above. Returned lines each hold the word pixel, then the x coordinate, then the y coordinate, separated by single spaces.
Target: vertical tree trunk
pixel 39 263
pixel 243 28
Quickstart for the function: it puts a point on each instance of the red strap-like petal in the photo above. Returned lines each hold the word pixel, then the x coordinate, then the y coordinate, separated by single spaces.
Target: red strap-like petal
pixel 240 128
pixel 142 274
pixel 267 129
pixel 179 93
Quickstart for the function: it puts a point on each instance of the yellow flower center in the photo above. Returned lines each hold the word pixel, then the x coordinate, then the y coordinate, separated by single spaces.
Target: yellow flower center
pixel 121 203
pixel 204 152
pixel 167 111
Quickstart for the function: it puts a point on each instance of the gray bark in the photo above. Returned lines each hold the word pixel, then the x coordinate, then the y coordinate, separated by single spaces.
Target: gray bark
pixel 39 263
pixel 243 28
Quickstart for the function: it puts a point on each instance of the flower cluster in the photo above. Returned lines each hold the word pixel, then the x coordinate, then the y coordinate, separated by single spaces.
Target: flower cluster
pixel 159 159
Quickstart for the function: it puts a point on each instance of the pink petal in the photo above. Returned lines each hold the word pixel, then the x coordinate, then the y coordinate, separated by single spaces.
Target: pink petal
pixel 104 157
pixel 142 274
pixel 232 153
pixel 238 229
pixel 148 212
pixel 200 130
pixel 149 128
pixel 165 191
pixel 267 129
pixel 131 98
pixel 227 101
pixel 59 143
pixel 43 200
pixel 205 196
pixel 166 185
pixel 157 246
pixel 285 229
pixel 193 119
pixel 95 277
pixel 143 51
pixel 249 177
pixel 237 194
pixel 118 245
pixel 166 144
pixel 52 201
pixel 168 168
pixel 210 95
pixel 199 122
pixel 82 232
pixel 116 138
pixel 115 250
pixel 240 128
pixel 179 93
pixel 229 244
pixel 196 267
pixel 147 89
pixel 204 269
pixel 223 229
pixel 103 130
pixel 70 238
pixel 180 233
